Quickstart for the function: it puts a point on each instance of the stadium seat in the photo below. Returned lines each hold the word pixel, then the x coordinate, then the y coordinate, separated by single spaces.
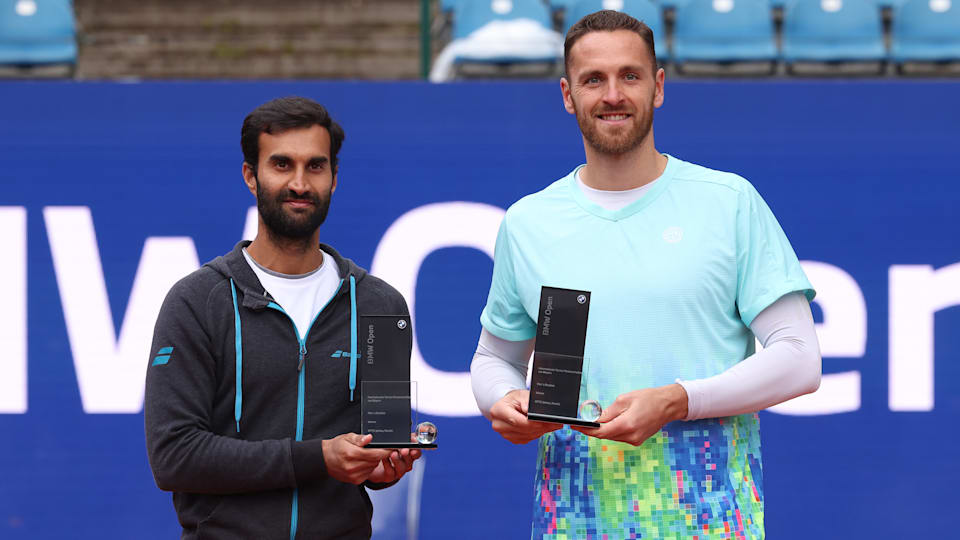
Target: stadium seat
pixel 474 14
pixel 449 6
pixel 832 31
pixel 892 4
pixel 671 4
pixel 926 31
pixel 644 10
pixel 881 3
pixel 723 31
pixel 506 35
pixel 34 32
pixel 557 5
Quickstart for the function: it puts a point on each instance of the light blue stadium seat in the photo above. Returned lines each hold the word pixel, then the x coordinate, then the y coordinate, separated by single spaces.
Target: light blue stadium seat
pixel 536 45
pixel 37 32
pixel 879 3
pixel 557 5
pixel 449 6
pixel 473 14
pixel 723 31
pixel 671 4
pixel 926 31
pixel 832 30
pixel 892 4
pixel 644 10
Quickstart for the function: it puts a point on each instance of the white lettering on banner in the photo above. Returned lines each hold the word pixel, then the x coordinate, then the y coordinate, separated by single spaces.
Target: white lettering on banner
pixel 916 293
pixel 403 248
pixel 110 370
pixel 842 334
pixel 13 316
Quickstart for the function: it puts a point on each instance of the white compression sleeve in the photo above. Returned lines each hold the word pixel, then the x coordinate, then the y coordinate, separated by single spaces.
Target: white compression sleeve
pixel 787 367
pixel 498 367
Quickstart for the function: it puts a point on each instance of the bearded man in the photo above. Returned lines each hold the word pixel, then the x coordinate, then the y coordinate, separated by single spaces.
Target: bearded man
pixel 251 405
pixel 685 265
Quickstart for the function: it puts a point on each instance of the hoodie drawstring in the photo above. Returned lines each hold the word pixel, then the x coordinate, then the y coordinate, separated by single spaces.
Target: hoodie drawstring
pixel 353 335
pixel 238 401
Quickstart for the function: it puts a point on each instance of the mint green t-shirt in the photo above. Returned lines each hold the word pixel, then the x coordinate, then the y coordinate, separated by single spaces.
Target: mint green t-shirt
pixel 675 279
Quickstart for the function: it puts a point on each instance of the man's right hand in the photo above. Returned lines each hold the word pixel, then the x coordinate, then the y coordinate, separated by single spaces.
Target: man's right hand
pixel 348 461
pixel 509 418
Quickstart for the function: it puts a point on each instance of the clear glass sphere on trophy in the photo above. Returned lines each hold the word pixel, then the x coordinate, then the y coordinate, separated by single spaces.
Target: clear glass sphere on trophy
pixel 426 433
pixel 590 409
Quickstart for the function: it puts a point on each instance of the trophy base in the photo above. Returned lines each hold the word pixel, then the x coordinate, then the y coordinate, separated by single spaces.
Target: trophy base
pixel 553 419
pixel 399 445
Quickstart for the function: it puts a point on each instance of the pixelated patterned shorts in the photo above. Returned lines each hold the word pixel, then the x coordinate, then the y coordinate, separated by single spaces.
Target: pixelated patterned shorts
pixel 692 481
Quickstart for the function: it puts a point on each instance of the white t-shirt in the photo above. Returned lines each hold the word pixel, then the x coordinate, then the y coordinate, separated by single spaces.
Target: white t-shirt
pixel 301 296
pixel 612 200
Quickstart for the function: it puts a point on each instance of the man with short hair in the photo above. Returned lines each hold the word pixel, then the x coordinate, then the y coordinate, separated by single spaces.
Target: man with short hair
pixel 685 265
pixel 252 403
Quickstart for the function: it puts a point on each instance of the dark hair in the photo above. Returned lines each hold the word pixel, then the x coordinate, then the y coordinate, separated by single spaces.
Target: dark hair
pixel 283 114
pixel 607 21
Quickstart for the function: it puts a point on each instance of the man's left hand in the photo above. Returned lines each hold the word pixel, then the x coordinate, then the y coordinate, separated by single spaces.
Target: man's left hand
pixel 635 416
pixel 394 467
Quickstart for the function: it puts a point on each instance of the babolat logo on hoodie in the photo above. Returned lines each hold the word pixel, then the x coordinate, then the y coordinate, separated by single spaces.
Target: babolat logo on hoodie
pixel 163 356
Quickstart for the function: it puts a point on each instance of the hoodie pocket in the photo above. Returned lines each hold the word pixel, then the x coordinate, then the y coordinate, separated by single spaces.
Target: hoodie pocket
pixel 252 515
pixel 204 521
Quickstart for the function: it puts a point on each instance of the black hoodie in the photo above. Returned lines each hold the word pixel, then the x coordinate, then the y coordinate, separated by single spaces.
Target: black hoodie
pixel 245 460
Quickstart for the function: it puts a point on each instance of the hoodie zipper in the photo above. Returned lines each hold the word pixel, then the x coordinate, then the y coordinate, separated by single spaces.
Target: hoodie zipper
pixel 301 388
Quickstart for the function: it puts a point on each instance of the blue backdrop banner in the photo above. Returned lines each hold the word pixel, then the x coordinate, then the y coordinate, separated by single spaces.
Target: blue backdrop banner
pixel 112 192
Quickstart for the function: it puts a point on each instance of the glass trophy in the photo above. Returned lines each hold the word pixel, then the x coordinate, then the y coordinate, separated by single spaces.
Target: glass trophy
pixel 558 391
pixel 388 398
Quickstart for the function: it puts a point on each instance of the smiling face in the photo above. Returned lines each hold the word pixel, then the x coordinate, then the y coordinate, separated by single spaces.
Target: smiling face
pixel 612 87
pixel 293 182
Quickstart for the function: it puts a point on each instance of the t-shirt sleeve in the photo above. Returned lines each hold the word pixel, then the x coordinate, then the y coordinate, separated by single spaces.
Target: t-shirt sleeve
pixel 504 315
pixel 767 267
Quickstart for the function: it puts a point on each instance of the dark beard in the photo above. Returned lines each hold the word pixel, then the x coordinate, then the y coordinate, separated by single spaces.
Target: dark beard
pixel 284 226
pixel 626 141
